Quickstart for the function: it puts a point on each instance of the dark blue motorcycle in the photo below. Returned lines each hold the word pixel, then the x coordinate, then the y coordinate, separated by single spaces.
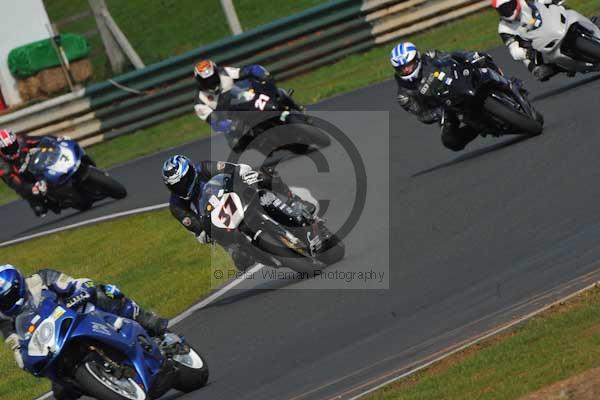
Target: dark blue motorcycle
pixel 90 352
pixel 256 107
pixel 71 175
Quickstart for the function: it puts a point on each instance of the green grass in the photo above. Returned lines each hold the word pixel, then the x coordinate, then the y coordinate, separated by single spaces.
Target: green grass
pixel 150 256
pixel 159 29
pixel 557 345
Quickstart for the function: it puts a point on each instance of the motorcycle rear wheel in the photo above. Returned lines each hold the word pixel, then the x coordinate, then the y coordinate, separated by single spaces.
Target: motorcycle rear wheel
pixel 522 124
pixel 104 183
pixel 96 382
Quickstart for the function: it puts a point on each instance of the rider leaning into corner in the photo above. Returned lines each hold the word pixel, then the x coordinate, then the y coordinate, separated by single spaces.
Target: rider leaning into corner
pixel 186 180
pixel 511 18
pixel 14 153
pixel 411 70
pixel 212 81
pixel 18 291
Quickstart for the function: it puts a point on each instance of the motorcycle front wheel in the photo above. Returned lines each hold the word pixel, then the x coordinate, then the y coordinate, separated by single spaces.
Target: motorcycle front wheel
pixel 519 121
pixel 193 371
pixel 96 381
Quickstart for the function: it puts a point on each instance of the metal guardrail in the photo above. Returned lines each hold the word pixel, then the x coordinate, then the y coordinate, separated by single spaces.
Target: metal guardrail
pixel 287 47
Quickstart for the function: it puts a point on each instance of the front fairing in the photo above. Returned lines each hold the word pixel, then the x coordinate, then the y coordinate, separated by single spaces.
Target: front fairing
pixel 55 161
pixel 93 326
pixel 41 351
pixel 450 83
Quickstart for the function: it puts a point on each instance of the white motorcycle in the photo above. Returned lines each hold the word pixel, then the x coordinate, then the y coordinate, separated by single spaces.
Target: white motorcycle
pixel 563 37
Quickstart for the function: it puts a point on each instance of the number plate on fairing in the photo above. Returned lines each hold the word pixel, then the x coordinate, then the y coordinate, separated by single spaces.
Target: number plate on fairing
pixel 228 211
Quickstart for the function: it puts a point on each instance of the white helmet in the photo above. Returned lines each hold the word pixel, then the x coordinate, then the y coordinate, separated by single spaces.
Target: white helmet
pixel 406 61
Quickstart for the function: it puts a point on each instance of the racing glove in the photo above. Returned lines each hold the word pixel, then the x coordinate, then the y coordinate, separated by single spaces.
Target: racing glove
pixel 248 175
pixel 81 295
pixel 13 343
pixel 40 188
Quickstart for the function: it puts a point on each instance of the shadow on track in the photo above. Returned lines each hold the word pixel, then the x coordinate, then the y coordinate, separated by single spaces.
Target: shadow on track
pixel 472 155
pixel 566 88
pixel 269 286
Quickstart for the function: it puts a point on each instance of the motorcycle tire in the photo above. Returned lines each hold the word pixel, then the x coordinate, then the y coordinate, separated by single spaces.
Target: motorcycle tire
pixel 312 136
pixel 88 376
pixel 520 122
pixel 588 47
pixel 192 377
pixel 106 184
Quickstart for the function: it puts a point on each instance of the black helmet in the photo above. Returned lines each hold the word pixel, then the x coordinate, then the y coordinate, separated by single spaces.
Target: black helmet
pixel 207 76
pixel 179 174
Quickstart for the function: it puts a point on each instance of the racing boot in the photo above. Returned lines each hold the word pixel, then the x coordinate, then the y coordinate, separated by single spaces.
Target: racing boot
pixel 39 210
pixel 308 206
pixel 110 299
pixel 155 325
pixel 272 181
pixel 544 72
pixel 63 393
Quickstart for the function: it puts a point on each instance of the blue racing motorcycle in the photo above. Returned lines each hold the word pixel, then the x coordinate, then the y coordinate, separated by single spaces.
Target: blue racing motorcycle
pixel 70 174
pixel 89 352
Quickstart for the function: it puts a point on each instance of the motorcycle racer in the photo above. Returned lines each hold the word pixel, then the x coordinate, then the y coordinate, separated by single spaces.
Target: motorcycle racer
pixel 14 153
pixel 511 18
pixel 186 180
pixel 212 81
pixel 18 291
pixel 410 69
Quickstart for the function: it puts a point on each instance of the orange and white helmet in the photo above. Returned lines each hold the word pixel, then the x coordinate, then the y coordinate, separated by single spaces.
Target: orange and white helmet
pixel 206 74
pixel 509 10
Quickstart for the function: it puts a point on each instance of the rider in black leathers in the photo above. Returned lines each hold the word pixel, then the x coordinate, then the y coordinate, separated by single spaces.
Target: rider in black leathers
pixel 411 69
pixel 185 180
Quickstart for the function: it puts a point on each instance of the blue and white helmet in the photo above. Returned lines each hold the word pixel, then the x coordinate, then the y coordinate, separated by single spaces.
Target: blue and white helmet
pixel 179 174
pixel 406 61
pixel 13 291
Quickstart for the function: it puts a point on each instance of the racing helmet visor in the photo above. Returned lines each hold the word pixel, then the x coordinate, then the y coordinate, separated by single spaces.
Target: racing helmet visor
pixel 9 299
pixel 184 187
pixel 408 68
pixel 508 9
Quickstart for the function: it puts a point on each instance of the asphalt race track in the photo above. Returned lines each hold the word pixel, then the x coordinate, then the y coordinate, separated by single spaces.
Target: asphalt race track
pixel 477 238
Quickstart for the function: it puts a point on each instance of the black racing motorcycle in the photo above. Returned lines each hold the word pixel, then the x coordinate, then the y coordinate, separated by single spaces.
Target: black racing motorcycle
pixel 256 107
pixel 277 231
pixel 71 175
pixel 482 97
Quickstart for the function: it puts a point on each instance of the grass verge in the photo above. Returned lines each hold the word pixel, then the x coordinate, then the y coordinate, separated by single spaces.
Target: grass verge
pixel 150 256
pixel 560 343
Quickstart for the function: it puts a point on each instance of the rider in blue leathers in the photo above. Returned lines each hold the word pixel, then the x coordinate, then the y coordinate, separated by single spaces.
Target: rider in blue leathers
pixel 186 180
pixel 17 291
